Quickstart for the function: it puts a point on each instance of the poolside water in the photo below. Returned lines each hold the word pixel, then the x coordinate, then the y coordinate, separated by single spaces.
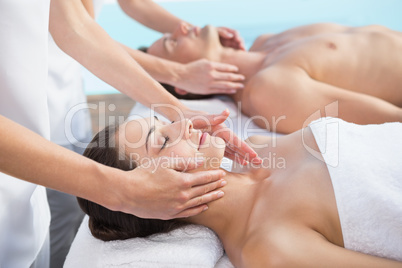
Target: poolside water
pixel 250 17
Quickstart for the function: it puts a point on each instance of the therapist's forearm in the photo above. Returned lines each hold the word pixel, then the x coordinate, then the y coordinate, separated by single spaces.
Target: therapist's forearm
pixel 76 33
pixel 162 70
pixel 26 155
pixel 89 6
pixel 150 14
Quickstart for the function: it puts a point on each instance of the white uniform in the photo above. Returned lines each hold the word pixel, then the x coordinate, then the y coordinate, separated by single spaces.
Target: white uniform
pixel 24 213
pixel 71 128
pixel 68 109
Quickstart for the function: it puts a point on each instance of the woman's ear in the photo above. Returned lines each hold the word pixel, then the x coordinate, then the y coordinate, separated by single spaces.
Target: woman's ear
pixel 180 91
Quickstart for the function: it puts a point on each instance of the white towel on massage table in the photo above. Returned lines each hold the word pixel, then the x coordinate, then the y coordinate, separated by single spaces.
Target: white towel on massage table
pixel 191 246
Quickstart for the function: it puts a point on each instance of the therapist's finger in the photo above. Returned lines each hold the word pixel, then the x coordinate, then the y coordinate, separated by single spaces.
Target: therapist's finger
pixel 226 76
pixel 229 153
pixel 191 211
pixel 223 91
pixel 230 38
pixel 182 163
pixel 205 198
pixel 235 42
pixel 224 67
pixel 203 178
pixel 226 85
pixel 206 188
pixel 205 121
pixel 198 204
pixel 235 156
pixel 242 151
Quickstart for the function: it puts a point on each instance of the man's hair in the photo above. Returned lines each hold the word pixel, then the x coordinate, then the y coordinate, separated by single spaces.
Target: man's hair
pixel 104 223
pixel 171 89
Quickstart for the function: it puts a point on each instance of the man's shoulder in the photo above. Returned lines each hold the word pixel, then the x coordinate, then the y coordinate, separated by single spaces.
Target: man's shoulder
pixel 275 72
pixel 259 42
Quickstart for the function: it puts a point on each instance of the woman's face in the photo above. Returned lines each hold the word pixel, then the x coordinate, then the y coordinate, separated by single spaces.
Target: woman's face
pixel 150 138
pixel 187 44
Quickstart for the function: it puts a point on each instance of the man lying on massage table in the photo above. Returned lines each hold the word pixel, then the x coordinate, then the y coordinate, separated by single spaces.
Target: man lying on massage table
pixel 338 208
pixel 297 76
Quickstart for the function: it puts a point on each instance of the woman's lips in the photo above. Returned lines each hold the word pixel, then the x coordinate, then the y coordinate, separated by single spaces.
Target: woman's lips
pixel 202 139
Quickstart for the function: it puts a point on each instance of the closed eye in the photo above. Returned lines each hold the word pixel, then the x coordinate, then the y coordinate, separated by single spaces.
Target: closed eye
pixel 166 140
pixel 164 144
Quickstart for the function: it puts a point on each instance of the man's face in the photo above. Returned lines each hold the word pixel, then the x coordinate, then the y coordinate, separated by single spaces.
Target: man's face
pixel 187 44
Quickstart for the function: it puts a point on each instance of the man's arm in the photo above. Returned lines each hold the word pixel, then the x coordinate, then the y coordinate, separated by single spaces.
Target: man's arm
pixel 290 99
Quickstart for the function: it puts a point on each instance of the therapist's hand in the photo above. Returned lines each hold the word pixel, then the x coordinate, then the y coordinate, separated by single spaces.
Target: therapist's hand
pixel 231 38
pixel 161 190
pixel 205 77
pixel 236 149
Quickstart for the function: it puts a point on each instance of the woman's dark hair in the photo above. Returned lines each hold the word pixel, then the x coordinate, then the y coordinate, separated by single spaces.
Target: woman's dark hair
pixel 171 89
pixel 110 225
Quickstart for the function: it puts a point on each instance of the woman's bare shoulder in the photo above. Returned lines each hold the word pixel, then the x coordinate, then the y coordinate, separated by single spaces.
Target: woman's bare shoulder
pixel 276 246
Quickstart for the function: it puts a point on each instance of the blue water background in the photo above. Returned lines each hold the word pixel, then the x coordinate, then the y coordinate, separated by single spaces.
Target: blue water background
pixel 250 17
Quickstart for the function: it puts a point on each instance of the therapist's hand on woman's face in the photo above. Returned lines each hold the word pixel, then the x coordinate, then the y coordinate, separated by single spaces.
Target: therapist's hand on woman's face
pixel 162 191
pixel 236 149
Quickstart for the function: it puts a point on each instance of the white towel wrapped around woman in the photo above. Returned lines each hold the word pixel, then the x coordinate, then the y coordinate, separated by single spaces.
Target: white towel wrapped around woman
pixel 365 166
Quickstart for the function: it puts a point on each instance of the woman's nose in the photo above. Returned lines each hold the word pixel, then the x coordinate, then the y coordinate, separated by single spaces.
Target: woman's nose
pixel 189 128
pixel 181 129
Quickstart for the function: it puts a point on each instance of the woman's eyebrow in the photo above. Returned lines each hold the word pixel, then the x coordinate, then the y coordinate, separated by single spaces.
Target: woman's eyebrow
pixel 152 129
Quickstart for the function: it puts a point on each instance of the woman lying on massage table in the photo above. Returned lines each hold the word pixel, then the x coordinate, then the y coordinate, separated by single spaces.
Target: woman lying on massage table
pixel 293 77
pixel 300 208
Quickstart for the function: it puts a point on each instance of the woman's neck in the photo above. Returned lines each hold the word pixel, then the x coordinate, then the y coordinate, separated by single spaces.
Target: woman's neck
pixel 226 215
pixel 249 63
